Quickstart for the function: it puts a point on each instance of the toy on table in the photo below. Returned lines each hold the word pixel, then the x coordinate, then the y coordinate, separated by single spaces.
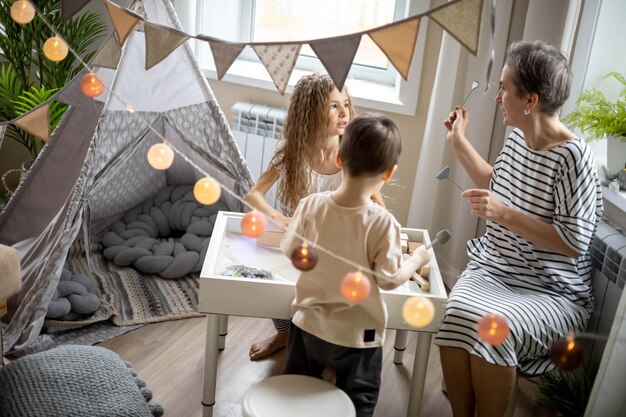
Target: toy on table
pixel 421 277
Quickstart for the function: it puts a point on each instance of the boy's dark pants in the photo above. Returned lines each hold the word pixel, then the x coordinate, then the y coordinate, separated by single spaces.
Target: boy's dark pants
pixel 358 370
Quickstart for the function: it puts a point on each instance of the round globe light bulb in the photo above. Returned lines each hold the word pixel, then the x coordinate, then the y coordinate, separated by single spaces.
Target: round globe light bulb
pixel 207 190
pixel 160 156
pixel 22 12
pixel 493 329
pixel 304 257
pixel 55 49
pixel 566 353
pixel 253 224
pixel 355 287
pixel 91 85
pixel 418 311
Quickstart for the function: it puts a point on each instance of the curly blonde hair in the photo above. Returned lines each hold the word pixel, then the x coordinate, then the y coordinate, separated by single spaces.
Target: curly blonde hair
pixel 304 135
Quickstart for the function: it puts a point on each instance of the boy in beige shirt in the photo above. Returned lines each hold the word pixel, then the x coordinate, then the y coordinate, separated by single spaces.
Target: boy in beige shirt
pixel 326 329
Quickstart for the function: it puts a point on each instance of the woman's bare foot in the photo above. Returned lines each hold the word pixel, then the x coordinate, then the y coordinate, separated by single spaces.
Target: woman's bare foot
pixel 268 346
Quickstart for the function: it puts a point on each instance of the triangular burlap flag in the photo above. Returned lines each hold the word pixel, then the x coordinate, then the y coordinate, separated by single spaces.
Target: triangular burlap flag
pixel 279 61
pixel 36 122
pixel 337 55
pixel 123 22
pixel 224 54
pixel 462 21
pixel 3 129
pixel 160 42
pixel 398 43
pixel 109 55
pixel 70 7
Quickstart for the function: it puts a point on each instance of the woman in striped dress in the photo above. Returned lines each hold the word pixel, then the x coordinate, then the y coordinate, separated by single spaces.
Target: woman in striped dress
pixel 541 201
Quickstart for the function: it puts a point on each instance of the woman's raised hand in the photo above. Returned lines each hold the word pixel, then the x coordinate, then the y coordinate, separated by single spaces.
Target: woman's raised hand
pixel 456 123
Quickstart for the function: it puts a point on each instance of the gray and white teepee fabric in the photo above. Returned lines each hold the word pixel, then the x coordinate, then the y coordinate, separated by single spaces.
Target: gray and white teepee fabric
pixel 94 167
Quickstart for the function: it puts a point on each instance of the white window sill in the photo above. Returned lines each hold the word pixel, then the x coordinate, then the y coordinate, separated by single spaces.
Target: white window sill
pixel 364 94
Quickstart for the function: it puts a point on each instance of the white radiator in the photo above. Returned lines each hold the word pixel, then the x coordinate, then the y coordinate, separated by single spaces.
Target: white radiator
pixel 608 255
pixel 257 129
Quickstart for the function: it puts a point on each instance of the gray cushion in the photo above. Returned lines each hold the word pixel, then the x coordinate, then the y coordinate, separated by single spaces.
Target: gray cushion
pixel 74 381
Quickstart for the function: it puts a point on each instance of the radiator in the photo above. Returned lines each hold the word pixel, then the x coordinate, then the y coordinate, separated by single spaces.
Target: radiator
pixel 608 255
pixel 257 129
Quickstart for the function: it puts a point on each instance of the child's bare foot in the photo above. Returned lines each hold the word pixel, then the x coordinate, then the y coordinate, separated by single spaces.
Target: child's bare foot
pixel 268 346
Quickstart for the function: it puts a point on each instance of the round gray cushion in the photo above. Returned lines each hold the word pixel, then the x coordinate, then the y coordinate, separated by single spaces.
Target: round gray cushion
pixel 146 236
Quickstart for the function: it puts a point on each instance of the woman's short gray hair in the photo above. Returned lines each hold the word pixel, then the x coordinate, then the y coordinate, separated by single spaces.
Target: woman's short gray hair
pixel 541 68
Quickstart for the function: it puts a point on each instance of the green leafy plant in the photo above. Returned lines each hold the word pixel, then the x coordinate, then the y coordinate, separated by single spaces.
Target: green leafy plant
pixel 27 77
pixel 566 392
pixel 598 116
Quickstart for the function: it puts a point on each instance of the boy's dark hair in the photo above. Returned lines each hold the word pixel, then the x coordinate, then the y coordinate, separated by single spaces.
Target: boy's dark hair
pixel 371 144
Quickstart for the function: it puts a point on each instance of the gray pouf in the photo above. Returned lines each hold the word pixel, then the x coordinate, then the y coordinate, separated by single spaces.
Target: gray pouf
pixel 74 381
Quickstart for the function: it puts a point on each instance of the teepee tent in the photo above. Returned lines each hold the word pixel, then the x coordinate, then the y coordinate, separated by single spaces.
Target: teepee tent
pixel 94 166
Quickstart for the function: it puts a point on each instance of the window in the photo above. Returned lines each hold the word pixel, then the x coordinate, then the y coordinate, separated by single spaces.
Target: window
pixel 373 81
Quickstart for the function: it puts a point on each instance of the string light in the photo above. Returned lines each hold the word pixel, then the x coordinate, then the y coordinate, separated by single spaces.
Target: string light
pixel 253 224
pixel 207 190
pixel 493 329
pixel 566 353
pixel 304 257
pixel 160 156
pixel 130 109
pixel 355 287
pixel 418 311
pixel 55 49
pixel 91 85
pixel 22 12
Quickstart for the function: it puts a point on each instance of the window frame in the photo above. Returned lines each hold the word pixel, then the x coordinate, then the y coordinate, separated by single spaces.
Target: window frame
pixel 370 88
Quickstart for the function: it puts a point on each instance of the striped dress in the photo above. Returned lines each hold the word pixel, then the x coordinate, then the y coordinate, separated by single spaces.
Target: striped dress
pixel 542 294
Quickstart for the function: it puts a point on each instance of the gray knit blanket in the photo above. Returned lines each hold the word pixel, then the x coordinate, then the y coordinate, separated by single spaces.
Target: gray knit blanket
pixel 74 381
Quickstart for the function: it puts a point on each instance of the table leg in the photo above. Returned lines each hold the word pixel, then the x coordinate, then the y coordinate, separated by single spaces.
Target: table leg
pixel 223 331
pixel 210 364
pixel 399 346
pixel 418 378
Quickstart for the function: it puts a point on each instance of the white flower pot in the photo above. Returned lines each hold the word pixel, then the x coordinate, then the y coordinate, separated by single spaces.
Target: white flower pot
pixel 615 154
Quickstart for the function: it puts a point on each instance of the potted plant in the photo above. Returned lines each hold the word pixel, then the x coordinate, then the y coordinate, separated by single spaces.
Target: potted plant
pixel 27 77
pixel 601 118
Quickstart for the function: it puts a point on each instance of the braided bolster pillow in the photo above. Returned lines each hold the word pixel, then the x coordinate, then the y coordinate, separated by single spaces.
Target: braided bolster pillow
pixel 147 235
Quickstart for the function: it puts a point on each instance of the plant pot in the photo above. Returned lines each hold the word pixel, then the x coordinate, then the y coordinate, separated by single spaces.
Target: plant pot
pixel 615 154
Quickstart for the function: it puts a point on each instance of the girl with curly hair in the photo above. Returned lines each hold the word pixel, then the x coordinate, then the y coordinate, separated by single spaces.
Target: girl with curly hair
pixel 304 163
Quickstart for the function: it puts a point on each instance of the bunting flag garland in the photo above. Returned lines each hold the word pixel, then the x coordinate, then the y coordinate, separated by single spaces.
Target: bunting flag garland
pixel 397 40
pixel 224 54
pixel 279 60
pixel 337 54
pixel 70 7
pixel 3 129
pixel 36 122
pixel 160 42
pixel 462 21
pixel 399 54
pixel 109 55
pixel 123 20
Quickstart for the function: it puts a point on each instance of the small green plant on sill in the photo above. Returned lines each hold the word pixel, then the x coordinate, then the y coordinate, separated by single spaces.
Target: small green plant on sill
pixel 596 115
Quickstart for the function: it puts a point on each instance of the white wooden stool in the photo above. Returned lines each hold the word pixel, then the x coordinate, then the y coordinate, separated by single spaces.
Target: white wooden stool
pixel 296 395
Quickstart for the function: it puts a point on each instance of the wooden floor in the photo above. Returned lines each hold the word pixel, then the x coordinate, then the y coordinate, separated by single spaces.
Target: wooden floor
pixel 169 356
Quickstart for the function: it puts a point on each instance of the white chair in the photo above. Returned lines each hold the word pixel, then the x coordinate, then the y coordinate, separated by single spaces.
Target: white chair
pixel 296 395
